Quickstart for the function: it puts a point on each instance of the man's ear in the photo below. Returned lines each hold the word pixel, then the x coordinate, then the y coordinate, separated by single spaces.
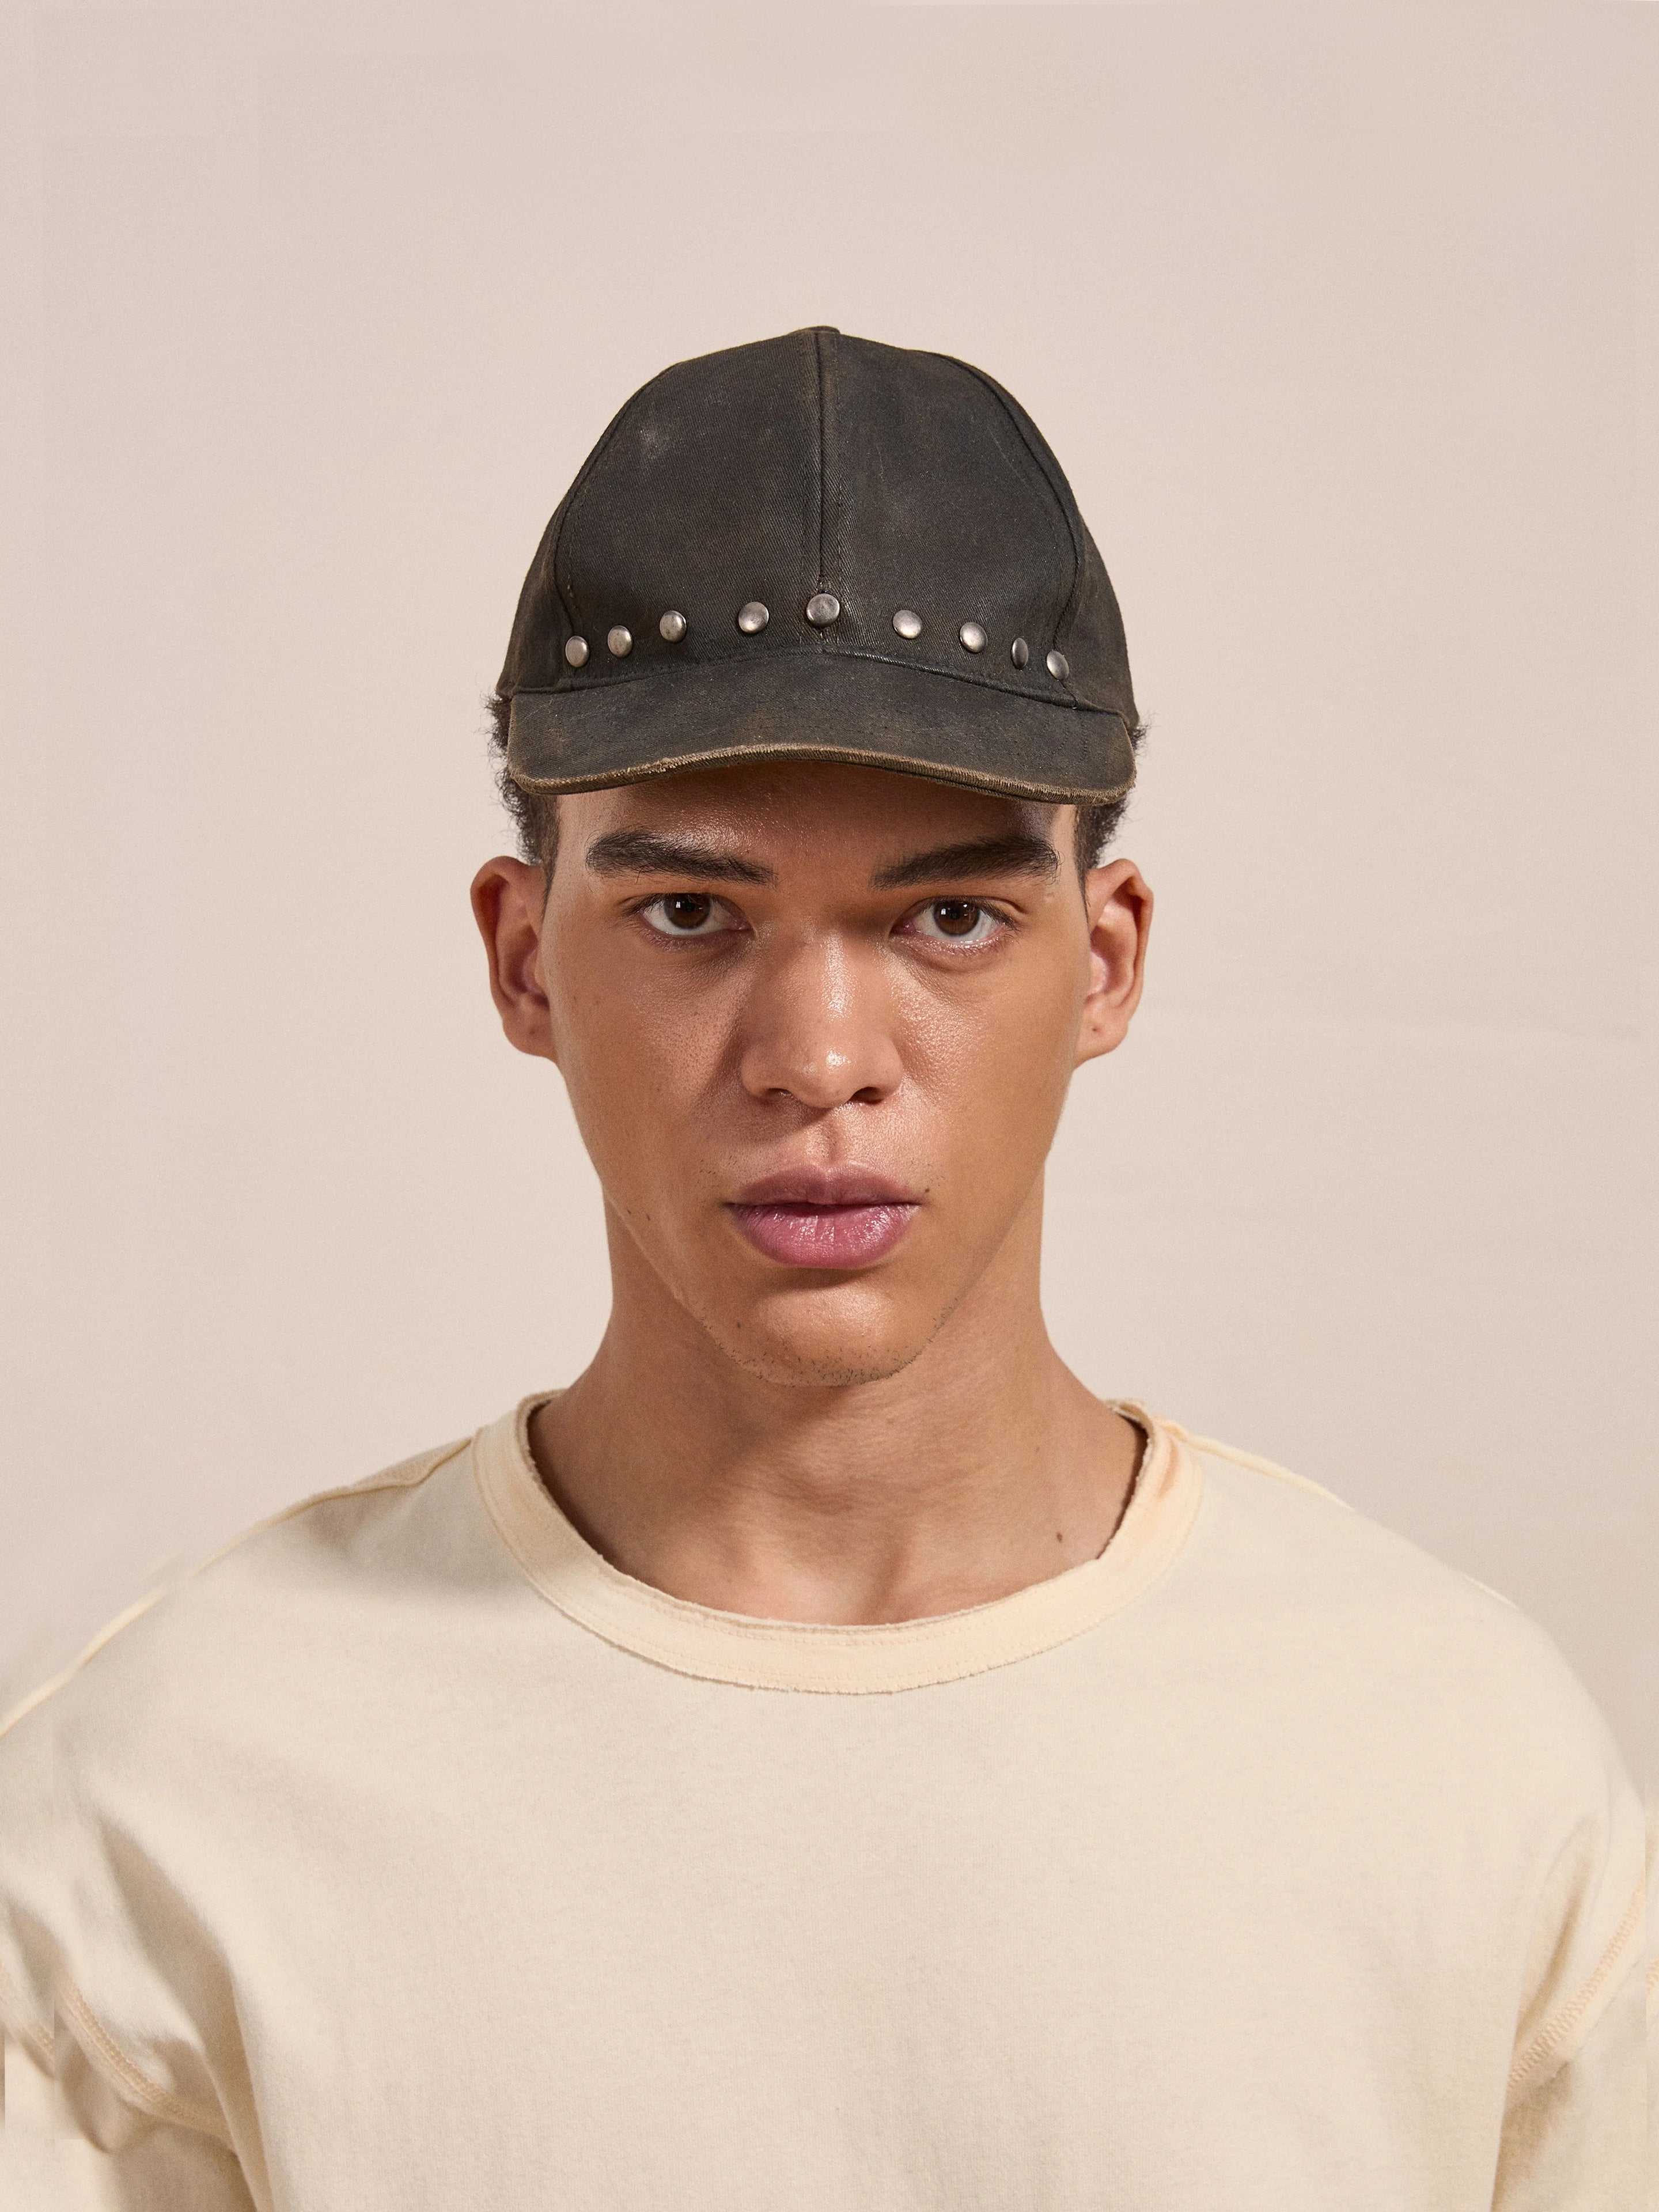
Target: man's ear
pixel 509 900
pixel 1119 905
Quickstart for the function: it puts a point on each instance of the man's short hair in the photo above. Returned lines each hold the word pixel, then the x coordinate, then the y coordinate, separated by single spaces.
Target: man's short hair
pixel 536 813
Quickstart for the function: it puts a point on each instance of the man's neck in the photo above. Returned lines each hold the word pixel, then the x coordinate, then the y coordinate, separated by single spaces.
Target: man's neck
pixel 980 1467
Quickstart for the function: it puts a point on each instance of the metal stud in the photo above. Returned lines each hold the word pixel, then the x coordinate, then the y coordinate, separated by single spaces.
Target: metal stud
pixel 575 651
pixel 822 608
pixel 972 635
pixel 1019 652
pixel 752 616
pixel 672 626
pixel 907 623
pixel 619 642
pixel 1058 666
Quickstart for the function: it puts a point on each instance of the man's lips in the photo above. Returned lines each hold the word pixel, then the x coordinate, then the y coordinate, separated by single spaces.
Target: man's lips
pixel 824 1217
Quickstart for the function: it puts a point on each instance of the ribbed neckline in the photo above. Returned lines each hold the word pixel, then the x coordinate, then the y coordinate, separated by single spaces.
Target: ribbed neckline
pixel 827 1658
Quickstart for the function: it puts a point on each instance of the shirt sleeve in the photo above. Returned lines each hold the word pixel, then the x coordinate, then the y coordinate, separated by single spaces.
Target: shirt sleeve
pixel 110 2103
pixel 1577 2140
pixel 49 2163
pixel 1574 2136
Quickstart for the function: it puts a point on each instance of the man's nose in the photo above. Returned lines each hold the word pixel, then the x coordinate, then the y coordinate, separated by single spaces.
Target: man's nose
pixel 818 1026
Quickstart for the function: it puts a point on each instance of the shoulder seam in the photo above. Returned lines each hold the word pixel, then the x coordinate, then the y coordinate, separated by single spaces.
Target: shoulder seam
pixel 1258 1465
pixel 406 1474
pixel 1581 2010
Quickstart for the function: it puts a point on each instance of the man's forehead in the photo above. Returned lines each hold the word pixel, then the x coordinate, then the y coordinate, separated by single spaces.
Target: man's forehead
pixel 795 803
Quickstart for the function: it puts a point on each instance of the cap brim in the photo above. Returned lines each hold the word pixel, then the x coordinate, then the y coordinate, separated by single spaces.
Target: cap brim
pixel 817 705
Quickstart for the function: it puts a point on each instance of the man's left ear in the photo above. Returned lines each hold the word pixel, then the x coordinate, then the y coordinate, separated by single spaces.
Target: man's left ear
pixel 508 898
pixel 1119 904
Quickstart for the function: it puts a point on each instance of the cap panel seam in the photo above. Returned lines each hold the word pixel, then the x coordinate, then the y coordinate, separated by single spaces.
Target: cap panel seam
pixel 556 530
pixel 821 373
pixel 820 370
pixel 1061 620
pixel 831 552
pixel 562 583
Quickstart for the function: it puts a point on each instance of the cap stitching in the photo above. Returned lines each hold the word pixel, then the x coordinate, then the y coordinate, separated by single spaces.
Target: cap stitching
pixel 568 504
pixel 821 368
pixel 833 578
pixel 1005 401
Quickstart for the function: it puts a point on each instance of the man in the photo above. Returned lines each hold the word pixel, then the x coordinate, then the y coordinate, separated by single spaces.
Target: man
pixel 824 1757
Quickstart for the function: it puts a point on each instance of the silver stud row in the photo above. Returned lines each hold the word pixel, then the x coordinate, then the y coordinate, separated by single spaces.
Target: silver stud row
pixel 972 639
pixel 822 608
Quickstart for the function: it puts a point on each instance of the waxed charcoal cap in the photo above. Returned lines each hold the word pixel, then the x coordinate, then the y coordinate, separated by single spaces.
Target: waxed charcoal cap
pixel 821 548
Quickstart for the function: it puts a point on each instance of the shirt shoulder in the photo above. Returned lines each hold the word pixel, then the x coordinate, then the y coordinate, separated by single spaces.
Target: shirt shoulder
pixel 165 1746
pixel 1294 1544
pixel 301 1549
pixel 1396 1658
pixel 1414 1685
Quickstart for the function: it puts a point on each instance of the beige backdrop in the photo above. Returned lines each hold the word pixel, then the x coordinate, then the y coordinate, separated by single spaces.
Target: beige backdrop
pixel 1342 324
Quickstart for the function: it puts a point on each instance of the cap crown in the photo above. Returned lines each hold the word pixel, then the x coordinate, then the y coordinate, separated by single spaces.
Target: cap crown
pixel 816 464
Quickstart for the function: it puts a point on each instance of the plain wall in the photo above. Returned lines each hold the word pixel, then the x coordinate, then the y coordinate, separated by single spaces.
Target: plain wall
pixel 1341 322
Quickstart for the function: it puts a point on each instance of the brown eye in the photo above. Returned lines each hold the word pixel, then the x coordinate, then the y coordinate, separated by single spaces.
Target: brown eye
pixel 955 917
pixel 687 909
pixel 957 921
pixel 688 914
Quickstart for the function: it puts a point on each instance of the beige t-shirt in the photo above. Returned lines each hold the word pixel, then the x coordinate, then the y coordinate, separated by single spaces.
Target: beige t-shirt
pixel 411 1858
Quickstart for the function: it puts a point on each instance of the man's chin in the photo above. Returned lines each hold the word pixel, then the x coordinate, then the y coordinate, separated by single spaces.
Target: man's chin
pixel 823 1339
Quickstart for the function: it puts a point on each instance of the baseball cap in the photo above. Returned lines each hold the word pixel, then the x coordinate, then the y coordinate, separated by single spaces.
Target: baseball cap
pixel 821 548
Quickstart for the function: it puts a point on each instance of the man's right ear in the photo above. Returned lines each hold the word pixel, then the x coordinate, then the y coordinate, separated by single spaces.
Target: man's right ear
pixel 509 900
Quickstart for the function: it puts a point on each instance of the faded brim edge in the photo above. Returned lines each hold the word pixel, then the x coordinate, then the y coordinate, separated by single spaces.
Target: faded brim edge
pixel 864 711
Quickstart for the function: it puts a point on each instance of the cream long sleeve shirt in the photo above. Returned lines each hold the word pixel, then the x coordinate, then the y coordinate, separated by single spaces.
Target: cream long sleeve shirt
pixel 410 1858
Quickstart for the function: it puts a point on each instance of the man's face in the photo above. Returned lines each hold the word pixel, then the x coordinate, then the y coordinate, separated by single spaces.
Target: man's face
pixel 816 1023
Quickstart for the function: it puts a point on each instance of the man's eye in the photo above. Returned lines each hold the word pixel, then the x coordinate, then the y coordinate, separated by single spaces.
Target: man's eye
pixel 687 914
pixel 957 921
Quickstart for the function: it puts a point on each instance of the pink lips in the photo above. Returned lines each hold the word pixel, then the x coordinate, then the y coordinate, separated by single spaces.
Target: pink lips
pixel 824 1217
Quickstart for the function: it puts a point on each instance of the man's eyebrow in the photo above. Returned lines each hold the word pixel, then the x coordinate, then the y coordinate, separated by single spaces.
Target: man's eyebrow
pixel 1015 855
pixel 642 853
